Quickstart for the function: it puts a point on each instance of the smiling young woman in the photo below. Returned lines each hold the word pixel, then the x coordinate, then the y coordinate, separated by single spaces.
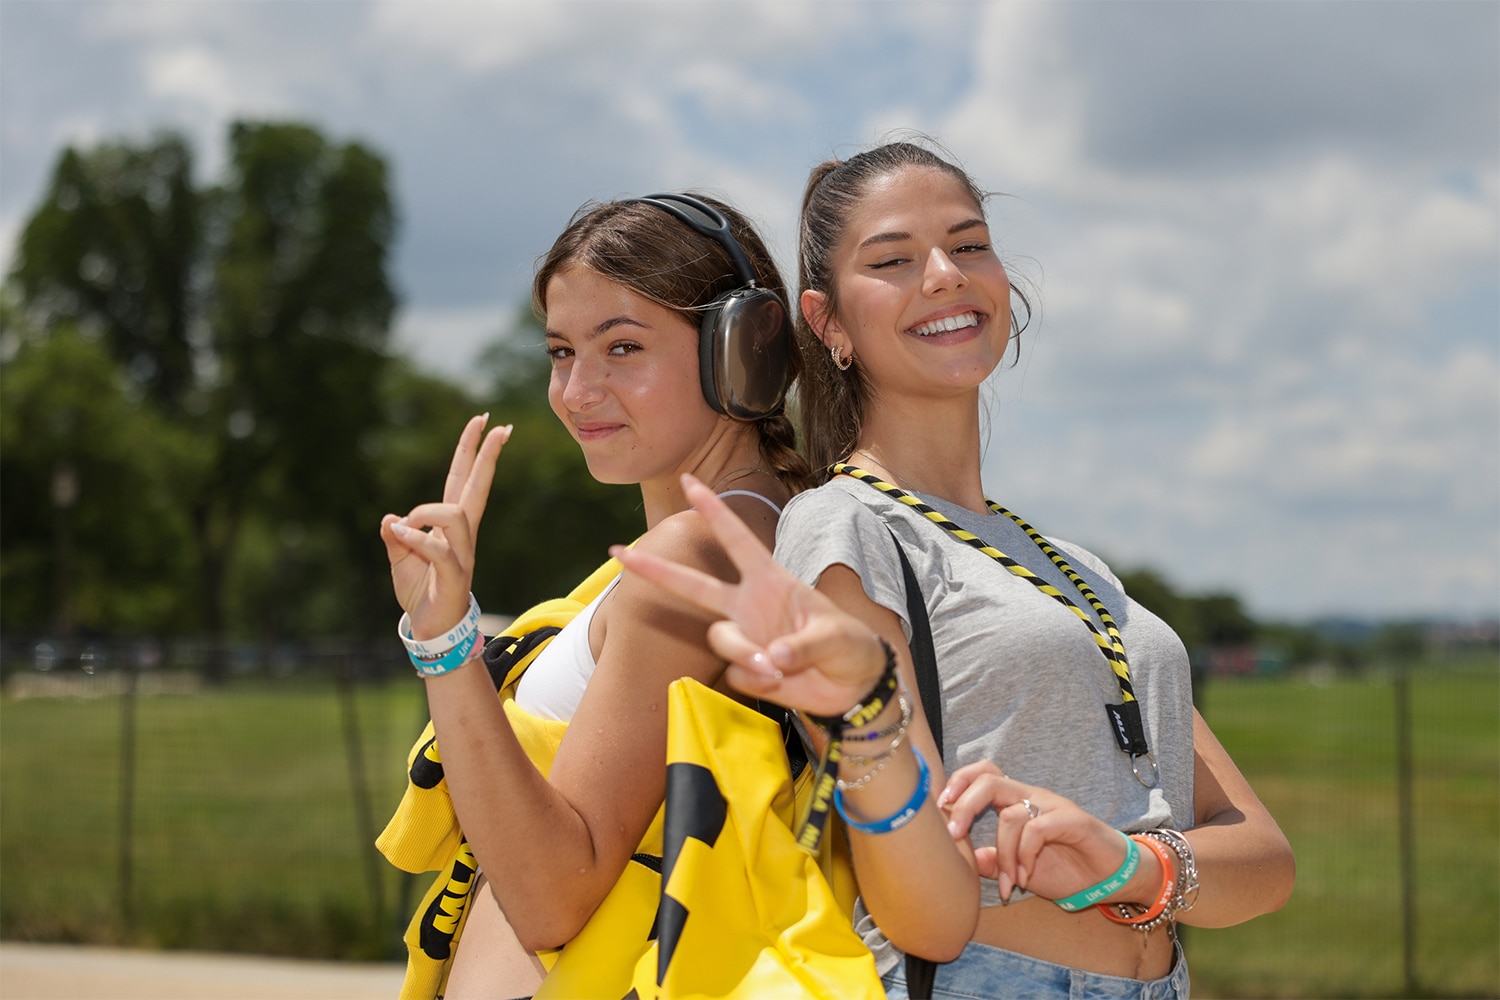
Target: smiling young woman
pixel 623 293
pixel 1075 803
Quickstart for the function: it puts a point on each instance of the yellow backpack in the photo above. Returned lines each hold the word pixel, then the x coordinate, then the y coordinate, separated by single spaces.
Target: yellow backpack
pixel 744 914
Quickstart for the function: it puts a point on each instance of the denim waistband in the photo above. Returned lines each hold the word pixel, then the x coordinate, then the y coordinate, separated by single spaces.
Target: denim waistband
pixel 983 972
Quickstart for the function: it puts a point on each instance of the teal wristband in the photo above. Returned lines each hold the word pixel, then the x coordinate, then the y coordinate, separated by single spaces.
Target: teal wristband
pixel 449 661
pixel 1096 893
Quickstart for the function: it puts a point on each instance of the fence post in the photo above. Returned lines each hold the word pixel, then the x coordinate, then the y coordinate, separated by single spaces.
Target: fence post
pixel 359 785
pixel 127 796
pixel 1407 832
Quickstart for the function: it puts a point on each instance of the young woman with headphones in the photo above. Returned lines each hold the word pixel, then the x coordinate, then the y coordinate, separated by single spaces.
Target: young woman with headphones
pixel 1039 805
pixel 671 353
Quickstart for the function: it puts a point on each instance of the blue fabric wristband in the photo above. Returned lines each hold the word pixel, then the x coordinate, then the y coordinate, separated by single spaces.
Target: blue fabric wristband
pixel 449 661
pixel 902 816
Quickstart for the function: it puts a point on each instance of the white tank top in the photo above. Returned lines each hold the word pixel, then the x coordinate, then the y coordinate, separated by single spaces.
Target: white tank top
pixel 553 685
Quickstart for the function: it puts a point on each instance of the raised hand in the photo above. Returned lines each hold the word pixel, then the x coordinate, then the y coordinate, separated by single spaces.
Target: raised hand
pixel 1055 853
pixel 783 640
pixel 431 549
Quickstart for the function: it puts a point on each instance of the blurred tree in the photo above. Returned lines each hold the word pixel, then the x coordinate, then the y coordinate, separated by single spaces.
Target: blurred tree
pixel 95 538
pixel 301 310
pixel 1199 620
pixel 115 246
pixel 254 317
pixel 1221 620
pixel 1401 642
pixel 1301 644
pixel 1152 590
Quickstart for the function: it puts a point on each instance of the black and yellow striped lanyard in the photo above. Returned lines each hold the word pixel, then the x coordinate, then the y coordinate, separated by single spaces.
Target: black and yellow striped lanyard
pixel 1124 718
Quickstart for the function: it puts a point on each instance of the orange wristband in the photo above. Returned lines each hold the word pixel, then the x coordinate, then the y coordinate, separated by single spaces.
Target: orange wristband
pixel 1168 886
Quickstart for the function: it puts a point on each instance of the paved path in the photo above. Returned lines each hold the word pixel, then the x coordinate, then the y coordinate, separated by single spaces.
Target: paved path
pixel 70 972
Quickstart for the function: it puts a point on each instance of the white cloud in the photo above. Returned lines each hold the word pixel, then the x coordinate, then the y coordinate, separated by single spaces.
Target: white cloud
pixel 1021 120
pixel 447 341
pixel 192 73
pixel 1236 378
pixel 480 38
pixel 1388 239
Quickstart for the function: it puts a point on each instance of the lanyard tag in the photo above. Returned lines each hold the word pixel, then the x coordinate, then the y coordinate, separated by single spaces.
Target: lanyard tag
pixel 1125 723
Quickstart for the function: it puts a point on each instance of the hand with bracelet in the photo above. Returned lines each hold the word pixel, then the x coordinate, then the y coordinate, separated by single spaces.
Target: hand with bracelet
pixel 431 549
pixel 783 640
pixel 1047 845
pixel 825 651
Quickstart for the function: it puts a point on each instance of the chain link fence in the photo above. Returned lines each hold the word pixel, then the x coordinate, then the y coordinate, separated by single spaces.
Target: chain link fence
pixel 226 798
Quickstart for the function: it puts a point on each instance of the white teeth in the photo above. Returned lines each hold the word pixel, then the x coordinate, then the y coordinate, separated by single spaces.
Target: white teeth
pixel 946 325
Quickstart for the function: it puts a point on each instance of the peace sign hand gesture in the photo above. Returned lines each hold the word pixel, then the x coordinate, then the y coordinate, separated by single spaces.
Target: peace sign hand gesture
pixel 783 640
pixel 431 549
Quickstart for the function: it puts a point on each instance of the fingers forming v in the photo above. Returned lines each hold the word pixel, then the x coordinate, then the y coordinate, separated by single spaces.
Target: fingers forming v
pixel 475 494
pixel 463 458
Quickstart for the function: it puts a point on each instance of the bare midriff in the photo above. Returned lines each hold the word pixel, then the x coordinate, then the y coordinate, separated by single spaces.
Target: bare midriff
pixel 1084 940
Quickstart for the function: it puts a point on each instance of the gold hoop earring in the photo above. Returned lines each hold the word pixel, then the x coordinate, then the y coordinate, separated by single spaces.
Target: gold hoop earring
pixel 839 361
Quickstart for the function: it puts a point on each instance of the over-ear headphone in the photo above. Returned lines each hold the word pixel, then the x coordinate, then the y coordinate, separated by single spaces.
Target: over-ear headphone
pixel 745 337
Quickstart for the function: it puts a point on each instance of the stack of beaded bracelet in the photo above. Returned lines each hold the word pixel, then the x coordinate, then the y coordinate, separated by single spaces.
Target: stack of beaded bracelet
pixel 1170 847
pixel 446 653
pixel 897 734
pixel 839 730
pixel 825 793
pixel 880 759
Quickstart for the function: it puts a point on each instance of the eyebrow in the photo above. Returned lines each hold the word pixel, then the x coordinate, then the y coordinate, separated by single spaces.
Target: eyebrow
pixel 604 327
pixel 897 236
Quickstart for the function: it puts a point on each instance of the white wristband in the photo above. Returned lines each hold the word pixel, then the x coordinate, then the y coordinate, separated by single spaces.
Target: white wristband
pixel 431 649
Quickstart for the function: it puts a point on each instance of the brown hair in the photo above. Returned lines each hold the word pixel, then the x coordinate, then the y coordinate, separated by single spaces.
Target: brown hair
pixel 657 256
pixel 830 402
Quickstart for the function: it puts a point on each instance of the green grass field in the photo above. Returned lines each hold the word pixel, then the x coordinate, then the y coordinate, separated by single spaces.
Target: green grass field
pixel 247 836
pixel 1323 759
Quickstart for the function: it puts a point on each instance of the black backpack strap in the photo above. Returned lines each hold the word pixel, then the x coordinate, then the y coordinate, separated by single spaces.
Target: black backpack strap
pixel 923 656
pixel 503 652
pixel 921 972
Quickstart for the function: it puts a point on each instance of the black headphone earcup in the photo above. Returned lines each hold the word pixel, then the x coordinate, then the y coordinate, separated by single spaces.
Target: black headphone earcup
pixel 744 353
pixel 710 348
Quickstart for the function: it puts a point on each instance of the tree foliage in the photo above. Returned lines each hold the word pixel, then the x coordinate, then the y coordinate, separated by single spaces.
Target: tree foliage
pixel 250 317
pixel 1200 621
pixel 91 482
pixel 115 247
pixel 203 419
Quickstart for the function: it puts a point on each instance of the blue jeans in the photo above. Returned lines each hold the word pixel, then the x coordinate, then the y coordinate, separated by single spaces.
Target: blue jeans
pixel 986 973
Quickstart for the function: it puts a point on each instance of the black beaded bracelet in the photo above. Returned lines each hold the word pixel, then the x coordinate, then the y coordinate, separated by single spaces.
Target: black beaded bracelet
pixel 871 705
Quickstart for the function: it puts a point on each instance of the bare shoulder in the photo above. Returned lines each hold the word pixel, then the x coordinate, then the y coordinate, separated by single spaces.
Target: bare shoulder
pixel 686 538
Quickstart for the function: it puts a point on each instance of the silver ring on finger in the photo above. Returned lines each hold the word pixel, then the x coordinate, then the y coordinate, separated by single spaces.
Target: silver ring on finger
pixel 1032 809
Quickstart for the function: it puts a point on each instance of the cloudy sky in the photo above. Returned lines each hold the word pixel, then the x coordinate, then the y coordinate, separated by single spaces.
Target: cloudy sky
pixel 1265 236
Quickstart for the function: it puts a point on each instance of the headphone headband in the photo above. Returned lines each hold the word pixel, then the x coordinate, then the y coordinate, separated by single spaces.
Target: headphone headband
pixel 718 231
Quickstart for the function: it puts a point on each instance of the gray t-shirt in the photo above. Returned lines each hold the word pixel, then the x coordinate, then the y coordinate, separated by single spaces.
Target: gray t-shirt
pixel 1024 682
